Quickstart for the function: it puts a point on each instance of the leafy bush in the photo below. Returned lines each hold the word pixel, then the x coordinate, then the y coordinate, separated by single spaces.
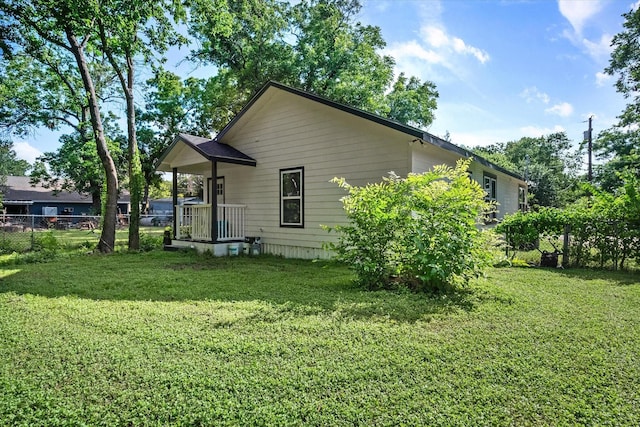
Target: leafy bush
pixel 420 231
pixel 604 227
pixel 149 242
pixel 45 241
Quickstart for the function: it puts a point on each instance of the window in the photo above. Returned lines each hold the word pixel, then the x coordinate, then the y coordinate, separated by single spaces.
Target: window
pixel 522 199
pixel 491 190
pixel 291 197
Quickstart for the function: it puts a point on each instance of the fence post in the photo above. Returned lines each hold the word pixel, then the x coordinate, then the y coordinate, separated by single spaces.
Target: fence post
pixel 616 247
pixel 565 246
pixel 33 237
pixel 506 243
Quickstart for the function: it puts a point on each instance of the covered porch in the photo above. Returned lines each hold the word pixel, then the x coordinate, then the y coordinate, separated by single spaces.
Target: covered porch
pixel 211 225
pixel 194 223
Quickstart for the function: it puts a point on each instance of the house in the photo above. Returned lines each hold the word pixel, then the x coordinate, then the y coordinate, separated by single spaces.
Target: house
pixel 19 197
pixel 273 162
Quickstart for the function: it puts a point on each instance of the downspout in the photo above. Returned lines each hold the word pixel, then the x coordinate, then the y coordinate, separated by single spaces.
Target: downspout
pixel 214 201
pixel 175 201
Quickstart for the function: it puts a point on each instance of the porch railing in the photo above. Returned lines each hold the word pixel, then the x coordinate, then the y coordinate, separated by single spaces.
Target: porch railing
pixel 194 222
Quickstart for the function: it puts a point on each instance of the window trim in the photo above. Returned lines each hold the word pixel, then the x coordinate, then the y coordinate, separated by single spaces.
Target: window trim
pixel 522 202
pixel 492 216
pixel 491 178
pixel 300 196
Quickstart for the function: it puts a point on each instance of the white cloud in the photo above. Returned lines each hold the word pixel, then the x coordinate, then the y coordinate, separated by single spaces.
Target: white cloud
pixel 434 36
pixel 563 109
pixel 438 38
pixel 579 12
pixel 602 78
pixel 412 49
pixel 25 151
pixel 474 139
pixel 535 131
pixel 599 49
pixel 532 93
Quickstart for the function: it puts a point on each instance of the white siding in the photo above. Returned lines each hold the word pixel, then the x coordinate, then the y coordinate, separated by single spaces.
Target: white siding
pixel 327 143
pixel 282 130
pixel 426 156
pixel 506 187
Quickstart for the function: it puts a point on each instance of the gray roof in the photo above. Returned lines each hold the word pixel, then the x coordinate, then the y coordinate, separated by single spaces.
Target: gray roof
pixel 19 189
pixel 419 134
pixel 211 149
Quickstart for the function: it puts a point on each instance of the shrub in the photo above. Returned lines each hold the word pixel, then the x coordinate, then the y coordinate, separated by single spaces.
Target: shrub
pixel 420 231
pixel 604 227
pixel 150 242
pixel 45 241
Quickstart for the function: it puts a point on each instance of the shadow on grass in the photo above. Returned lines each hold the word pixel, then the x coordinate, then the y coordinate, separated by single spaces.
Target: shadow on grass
pixel 298 287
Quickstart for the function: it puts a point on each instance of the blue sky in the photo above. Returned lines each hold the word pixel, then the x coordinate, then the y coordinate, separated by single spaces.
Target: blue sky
pixel 503 69
pixel 507 69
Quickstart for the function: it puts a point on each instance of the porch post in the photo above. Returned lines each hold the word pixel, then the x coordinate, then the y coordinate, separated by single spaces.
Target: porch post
pixel 175 201
pixel 214 201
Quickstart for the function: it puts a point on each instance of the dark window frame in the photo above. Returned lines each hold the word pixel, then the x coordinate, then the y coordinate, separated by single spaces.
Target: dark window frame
pixel 491 193
pixel 283 198
pixel 522 198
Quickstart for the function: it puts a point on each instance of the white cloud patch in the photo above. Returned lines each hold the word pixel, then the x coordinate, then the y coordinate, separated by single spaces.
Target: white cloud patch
pixel 563 109
pixel 412 49
pixel 435 54
pixel 474 139
pixel 578 13
pixel 602 79
pixel 599 49
pixel 532 93
pixel 535 131
pixel 27 152
pixel 438 38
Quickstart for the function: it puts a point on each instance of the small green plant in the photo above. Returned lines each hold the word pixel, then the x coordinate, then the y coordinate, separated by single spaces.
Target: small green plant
pixel 149 242
pixel 420 231
pixel 46 241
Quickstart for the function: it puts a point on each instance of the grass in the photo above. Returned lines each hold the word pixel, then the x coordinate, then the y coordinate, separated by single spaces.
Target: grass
pixel 170 338
pixel 69 239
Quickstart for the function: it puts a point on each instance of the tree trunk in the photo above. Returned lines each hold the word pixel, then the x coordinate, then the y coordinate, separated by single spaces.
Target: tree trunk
pixel 145 197
pixel 108 235
pixel 136 178
pixel 96 203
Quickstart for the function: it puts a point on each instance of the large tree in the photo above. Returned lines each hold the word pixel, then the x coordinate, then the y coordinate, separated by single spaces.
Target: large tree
pixel 116 34
pixel 131 30
pixel 317 46
pixel 620 145
pixel 10 165
pixel 75 165
pixel 66 29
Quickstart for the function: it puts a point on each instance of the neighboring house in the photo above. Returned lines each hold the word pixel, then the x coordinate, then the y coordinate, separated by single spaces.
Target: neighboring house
pixel 273 162
pixel 22 198
pixel 164 206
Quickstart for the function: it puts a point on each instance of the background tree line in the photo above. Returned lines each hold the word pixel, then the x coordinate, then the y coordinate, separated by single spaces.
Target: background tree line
pixel 77 66
pixel 74 65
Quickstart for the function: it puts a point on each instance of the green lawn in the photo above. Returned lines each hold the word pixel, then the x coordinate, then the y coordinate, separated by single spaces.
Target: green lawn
pixel 169 338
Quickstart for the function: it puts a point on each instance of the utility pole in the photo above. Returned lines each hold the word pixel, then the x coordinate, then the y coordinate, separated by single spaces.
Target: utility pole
pixel 588 138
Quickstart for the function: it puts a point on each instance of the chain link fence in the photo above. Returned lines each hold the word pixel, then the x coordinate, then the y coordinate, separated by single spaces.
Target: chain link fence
pixel 613 245
pixel 24 233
